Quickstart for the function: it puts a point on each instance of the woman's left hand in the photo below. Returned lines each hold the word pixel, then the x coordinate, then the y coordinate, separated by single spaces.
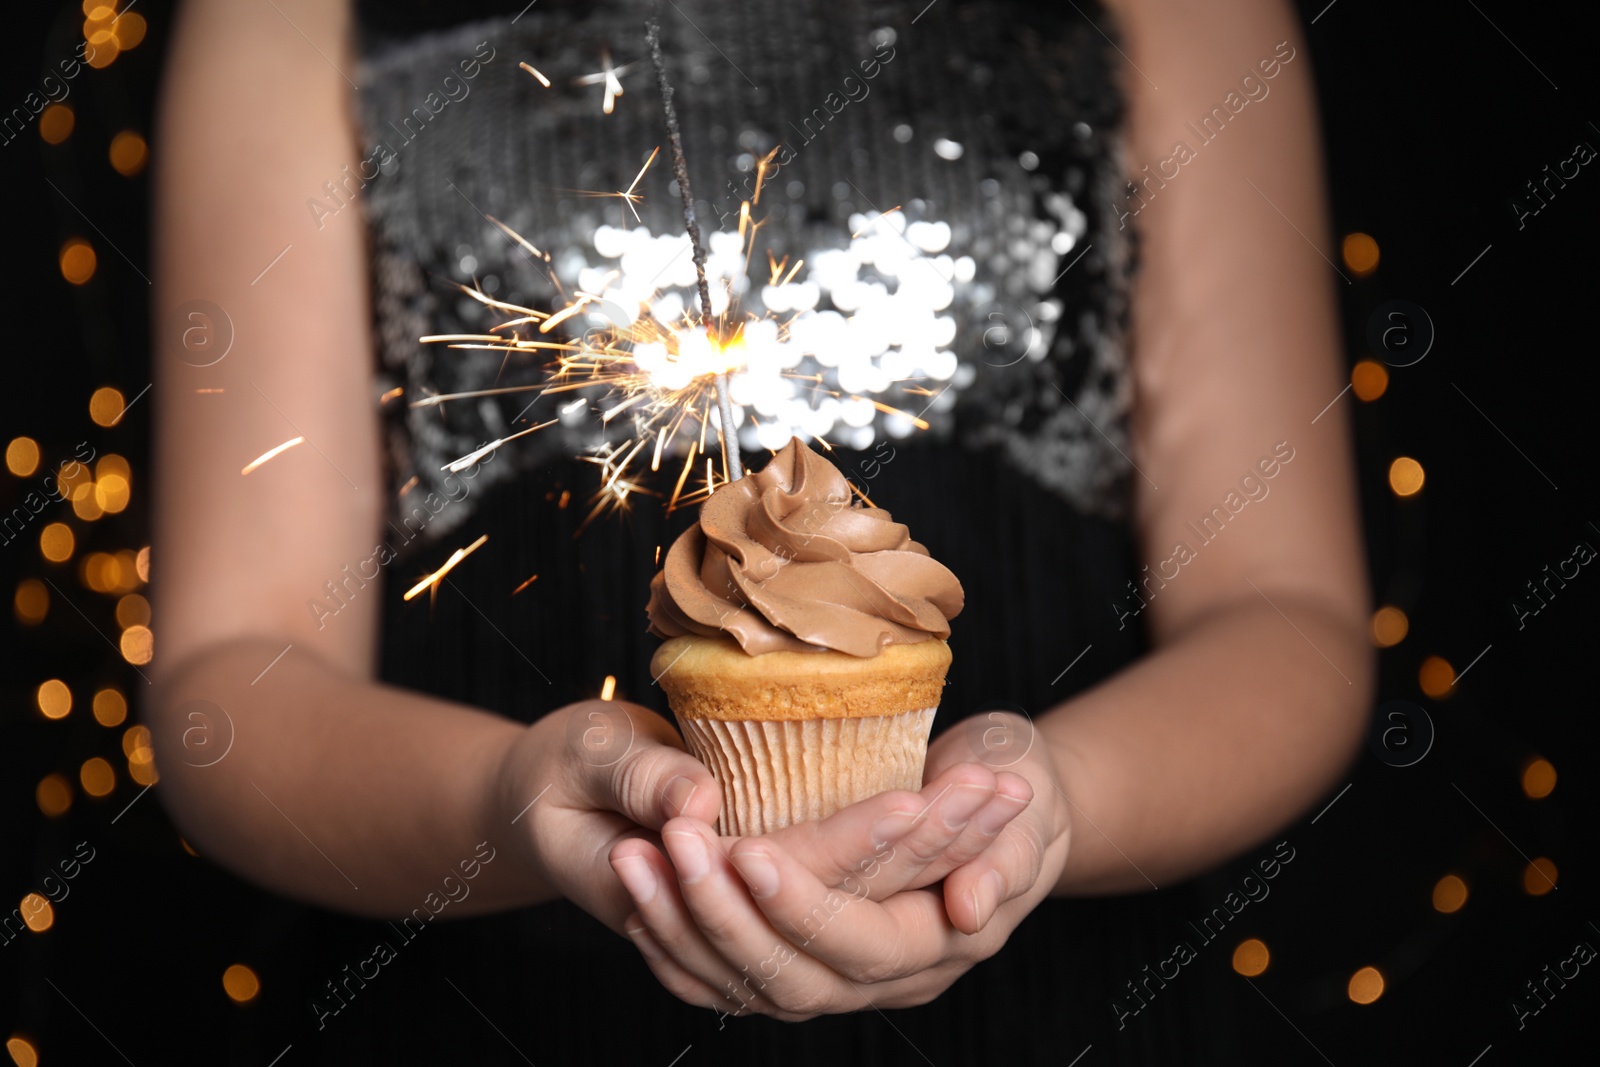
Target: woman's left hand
pixel 743 925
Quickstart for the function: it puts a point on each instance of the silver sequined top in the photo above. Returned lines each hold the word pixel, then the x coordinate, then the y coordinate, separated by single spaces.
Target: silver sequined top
pixel 992 305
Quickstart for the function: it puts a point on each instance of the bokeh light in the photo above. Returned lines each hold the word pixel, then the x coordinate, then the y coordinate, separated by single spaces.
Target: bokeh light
pixel 105 406
pixel 77 261
pixel 37 914
pixel 56 542
pixel 54 699
pixel 1449 894
pixel 1251 957
pixel 240 983
pixel 138 645
pixel 1366 985
pixel 110 707
pixel 1360 254
pixel 135 738
pixel 53 795
pixel 1405 476
pixel 128 152
pixel 1369 379
pixel 1539 877
pixel 97 777
pixel 141 564
pixel 110 464
pixel 129 29
pixel 55 123
pixel 1436 676
pixel 111 493
pixel 22 1051
pixel 85 504
pixel 1389 626
pixel 1538 778
pixel 31 602
pixel 22 456
pixel 133 610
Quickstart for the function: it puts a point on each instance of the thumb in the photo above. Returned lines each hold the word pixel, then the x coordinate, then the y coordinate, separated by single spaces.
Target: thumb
pixel 634 764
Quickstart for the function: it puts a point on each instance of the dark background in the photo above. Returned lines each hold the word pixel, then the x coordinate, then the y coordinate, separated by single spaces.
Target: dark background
pixel 1434 120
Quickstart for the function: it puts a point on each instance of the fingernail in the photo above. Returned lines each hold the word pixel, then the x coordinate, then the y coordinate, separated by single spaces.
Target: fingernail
pixel 986 897
pixel 892 828
pixel 690 856
pixel 961 804
pixel 637 878
pixel 676 796
pixel 645 944
pixel 759 871
pixel 994 817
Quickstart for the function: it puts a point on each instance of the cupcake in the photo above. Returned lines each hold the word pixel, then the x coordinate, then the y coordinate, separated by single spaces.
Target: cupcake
pixel 805 650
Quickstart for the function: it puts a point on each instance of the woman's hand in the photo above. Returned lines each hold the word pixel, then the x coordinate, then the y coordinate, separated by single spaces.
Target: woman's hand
pixel 742 924
pixel 588 776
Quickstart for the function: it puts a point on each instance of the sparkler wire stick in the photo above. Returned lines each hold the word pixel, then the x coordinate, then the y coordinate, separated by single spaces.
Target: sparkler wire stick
pixel 732 468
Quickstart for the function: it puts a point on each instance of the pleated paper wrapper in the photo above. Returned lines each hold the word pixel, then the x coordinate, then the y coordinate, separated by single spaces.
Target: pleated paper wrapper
pixel 776 773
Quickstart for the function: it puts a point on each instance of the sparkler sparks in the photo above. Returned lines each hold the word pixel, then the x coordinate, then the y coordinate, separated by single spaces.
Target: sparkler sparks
pixel 531 69
pixel 270 453
pixel 608 76
pixel 432 581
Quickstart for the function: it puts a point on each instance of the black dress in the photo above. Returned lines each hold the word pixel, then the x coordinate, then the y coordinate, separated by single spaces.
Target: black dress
pixel 997 293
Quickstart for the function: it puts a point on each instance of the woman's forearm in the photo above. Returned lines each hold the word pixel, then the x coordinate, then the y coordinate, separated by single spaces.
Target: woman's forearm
pixel 1209 744
pixel 337 790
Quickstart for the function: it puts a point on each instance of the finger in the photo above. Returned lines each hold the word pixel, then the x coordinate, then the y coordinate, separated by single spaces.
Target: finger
pixel 1011 798
pixel 630 760
pixel 842 927
pixel 718 903
pixel 855 841
pixel 1007 869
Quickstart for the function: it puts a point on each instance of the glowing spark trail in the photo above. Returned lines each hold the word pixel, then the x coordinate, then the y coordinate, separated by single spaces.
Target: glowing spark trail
pixel 271 452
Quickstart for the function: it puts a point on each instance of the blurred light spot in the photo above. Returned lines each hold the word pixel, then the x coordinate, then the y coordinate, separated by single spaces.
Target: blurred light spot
pixel 77 261
pixel 133 610
pixel 37 913
pixel 1360 254
pixel 100 571
pixel 85 504
pixel 111 463
pixel 138 645
pixel 103 48
pixel 135 737
pixel 1389 626
pixel 98 11
pixel 110 707
pixel 105 406
pixel 32 602
pixel 1251 957
pixel 1366 985
pixel 609 688
pixel 1436 676
pixel 141 564
pixel 241 983
pixel 128 150
pixel 127 570
pixel 1538 778
pixel 129 29
pixel 97 777
pixel 22 1053
pixel 142 767
pixel 56 542
pixel 54 699
pixel 22 456
pixel 1449 894
pixel 1405 476
pixel 1369 378
pixel 1539 877
pixel 55 124
pixel 54 795
pixel 111 493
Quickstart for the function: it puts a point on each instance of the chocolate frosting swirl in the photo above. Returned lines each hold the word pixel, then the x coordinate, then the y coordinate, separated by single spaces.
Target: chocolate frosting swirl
pixel 783 560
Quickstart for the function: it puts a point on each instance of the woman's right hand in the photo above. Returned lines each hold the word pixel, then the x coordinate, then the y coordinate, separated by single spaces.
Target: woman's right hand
pixel 588 776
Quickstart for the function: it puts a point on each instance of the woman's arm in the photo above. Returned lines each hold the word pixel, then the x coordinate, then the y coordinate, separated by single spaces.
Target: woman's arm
pixel 1255 695
pixel 336 789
